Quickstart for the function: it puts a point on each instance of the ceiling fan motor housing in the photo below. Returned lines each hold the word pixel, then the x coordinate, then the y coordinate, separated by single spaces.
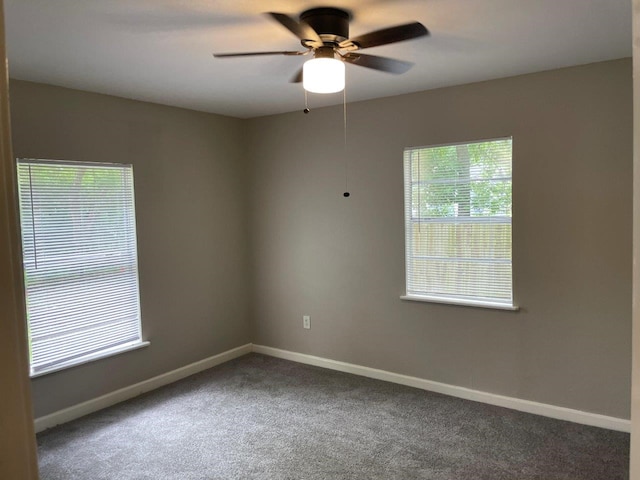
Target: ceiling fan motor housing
pixel 332 24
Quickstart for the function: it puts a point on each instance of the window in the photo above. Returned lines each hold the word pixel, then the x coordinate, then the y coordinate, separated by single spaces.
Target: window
pixel 80 261
pixel 458 223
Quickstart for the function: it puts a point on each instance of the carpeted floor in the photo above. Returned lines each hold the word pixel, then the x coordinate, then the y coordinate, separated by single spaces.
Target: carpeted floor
pixel 258 417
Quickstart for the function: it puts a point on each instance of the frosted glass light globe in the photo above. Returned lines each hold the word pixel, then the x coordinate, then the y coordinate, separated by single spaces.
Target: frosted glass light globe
pixel 323 75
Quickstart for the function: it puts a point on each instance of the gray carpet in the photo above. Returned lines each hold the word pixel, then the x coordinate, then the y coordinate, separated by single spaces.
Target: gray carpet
pixel 258 417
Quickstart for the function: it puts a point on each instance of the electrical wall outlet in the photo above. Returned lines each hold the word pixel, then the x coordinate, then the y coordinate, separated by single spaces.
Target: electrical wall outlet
pixel 306 321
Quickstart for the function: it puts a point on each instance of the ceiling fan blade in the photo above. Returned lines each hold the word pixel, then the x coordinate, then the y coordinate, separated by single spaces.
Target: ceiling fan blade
pixel 384 64
pixel 297 78
pixel 302 30
pixel 387 35
pixel 252 54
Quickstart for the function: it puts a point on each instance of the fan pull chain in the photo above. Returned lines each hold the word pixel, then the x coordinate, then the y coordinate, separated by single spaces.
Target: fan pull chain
pixel 306 102
pixel 346 156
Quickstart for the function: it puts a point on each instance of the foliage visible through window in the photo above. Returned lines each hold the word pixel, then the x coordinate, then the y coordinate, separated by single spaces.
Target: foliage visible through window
pixel 458 222
pixel 80 261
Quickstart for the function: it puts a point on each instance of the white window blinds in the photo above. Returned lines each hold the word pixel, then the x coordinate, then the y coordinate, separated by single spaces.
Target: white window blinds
pixel 80 260
pixel 458 223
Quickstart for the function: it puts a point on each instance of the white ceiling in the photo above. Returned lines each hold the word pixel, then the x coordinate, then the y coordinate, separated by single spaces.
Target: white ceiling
pixel 161 50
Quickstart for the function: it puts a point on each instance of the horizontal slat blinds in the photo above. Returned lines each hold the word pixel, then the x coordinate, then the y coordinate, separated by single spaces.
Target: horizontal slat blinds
pixel 458 222
pixel 80 260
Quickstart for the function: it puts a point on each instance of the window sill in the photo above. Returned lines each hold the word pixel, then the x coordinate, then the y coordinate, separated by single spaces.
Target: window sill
pixel 110 352
pixel 457 301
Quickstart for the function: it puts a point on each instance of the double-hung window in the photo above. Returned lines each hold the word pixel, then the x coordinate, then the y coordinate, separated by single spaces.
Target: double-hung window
pixel 458 223
pixel 80 261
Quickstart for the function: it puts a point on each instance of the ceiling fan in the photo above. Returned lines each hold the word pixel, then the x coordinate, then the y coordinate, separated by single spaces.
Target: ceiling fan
pixel 324 33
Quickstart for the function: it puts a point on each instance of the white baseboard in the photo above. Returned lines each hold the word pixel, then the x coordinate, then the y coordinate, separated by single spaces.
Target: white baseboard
pixel 552 411
pixel 131 391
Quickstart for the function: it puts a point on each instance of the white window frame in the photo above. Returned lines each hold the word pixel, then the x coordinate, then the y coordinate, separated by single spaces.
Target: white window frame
pixel 415 294
pixel 69 326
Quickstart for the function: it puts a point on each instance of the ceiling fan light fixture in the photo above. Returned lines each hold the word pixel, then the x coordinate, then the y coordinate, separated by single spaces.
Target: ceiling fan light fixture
pixel 323 75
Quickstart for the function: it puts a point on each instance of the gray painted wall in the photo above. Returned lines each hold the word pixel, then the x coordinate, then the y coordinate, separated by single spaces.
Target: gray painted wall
pixel 231 254
pixel 342 260
pixel 192 237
